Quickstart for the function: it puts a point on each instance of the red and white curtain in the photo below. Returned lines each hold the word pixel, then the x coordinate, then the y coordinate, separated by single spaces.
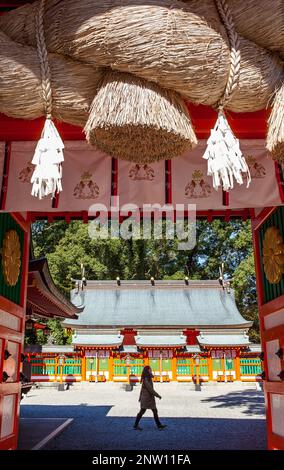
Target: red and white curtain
pixel 88 178
pixel 141 184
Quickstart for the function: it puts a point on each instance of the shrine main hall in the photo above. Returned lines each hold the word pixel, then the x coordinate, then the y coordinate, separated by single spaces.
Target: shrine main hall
pixel 124 325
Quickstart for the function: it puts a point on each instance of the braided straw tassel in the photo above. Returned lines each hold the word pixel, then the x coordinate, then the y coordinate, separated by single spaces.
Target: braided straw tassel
pixel 225 161
pixel 48 156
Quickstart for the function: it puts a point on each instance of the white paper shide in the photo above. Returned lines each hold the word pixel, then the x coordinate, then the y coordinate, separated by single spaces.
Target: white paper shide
pixel 48 158
pixel 225 161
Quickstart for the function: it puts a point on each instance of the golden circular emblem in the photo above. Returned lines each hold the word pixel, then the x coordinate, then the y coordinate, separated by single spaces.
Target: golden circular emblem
pixel 273 255
pixel 11 257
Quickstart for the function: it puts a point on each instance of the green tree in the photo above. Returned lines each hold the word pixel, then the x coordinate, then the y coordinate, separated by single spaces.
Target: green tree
pixel 46 236
pixel 58 334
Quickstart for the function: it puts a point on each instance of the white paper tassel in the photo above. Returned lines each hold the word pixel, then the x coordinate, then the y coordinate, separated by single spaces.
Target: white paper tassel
pixel 48 157
pixel 225 160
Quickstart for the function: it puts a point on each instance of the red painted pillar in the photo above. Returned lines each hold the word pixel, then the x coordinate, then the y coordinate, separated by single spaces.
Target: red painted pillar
pixel 14 237
pixel 271 319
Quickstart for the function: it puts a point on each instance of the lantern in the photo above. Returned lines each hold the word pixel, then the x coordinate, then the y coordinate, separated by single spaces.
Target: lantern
pixel 29 324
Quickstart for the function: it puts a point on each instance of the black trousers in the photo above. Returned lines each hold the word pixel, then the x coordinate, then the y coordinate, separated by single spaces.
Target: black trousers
pixel 141 413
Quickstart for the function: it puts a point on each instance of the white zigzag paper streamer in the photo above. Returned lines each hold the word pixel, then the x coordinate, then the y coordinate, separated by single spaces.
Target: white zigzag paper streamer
pixel 225 161
pixel 48 157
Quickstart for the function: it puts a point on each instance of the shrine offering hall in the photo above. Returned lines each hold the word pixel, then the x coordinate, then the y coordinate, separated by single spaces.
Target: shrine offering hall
pixel 123 326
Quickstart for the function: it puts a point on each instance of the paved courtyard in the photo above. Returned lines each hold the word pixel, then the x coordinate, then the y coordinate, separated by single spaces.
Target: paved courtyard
pixel 221 416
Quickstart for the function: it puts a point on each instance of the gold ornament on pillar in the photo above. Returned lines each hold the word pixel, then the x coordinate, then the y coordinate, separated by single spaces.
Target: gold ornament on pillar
pixel 11 257
pixel 273 255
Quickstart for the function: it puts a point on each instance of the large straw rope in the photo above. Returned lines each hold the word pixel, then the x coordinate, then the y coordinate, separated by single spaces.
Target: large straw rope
pixel 260 21
pixel 235 56
pixel 183 47
pixel 275 135
pixel 43 59
pixel 73 84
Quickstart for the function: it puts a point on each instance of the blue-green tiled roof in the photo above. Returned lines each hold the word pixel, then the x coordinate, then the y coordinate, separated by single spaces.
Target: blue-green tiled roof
pixel 136 304
pixel 97 340
pixel 223 340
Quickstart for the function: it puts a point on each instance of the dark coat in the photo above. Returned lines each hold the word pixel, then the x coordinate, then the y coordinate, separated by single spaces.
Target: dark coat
pixel 147 395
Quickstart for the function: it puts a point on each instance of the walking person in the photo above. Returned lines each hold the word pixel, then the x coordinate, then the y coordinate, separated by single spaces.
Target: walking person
pixel 147 398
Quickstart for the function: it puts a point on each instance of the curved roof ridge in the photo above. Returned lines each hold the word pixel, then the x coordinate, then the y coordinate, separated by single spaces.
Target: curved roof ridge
pixel 181 306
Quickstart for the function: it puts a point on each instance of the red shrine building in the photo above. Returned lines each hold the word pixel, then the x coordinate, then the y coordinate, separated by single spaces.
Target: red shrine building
pixel 121 326
pixel 165 324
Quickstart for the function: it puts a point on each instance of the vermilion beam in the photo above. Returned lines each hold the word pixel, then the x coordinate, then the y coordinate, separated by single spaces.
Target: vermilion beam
pixel 244 125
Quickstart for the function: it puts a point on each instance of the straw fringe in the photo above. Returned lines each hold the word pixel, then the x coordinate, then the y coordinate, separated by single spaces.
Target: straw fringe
pixel 134 120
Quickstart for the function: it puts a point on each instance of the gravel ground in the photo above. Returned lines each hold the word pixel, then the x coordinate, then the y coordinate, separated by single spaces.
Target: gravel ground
pixel 221 416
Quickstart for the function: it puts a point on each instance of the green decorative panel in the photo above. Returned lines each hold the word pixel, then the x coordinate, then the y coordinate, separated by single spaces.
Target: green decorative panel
pixel 230 364
pixel 37 367
pixel 103 364
pixel 89 366
pixel 154 364
pixel 166 365
pixel 119 367
pixel 271 291
pixel 49 364
pixel 203 368
pixel 43 366
pixel 183 367
pixel 137 366
pixel 46 366
pixel 250 366
pixel 72 367
pixel 217 364
pixel 12 293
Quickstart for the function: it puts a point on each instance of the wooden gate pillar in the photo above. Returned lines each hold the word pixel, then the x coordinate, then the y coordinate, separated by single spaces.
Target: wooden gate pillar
pixel 83 367
pixel 210 367
pixel 14 246
pixel 110 367
pixel 238 366
pixel 268 236
pixel 174 366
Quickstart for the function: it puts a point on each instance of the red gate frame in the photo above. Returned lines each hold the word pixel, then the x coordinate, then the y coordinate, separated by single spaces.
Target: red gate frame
pixel 274 441
pixel 14 388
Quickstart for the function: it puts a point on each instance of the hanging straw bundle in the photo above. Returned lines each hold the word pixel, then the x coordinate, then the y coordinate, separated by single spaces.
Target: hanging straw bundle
pixel 182 47
pixel 135 120
pixel 260 21
pixel 275 136
pixel 73 84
